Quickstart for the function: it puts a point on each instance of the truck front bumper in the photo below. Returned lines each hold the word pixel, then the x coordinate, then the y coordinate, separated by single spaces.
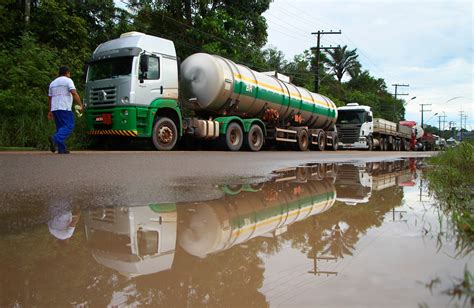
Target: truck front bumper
pixel 360 145
pixel 127 121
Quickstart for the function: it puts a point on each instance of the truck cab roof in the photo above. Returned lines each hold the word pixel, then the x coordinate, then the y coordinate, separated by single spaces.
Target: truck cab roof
pixel 133 43
pixel 355 106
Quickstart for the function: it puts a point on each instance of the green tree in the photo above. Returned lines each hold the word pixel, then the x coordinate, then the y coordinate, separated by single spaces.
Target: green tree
pixel 236 30
pixel 342 61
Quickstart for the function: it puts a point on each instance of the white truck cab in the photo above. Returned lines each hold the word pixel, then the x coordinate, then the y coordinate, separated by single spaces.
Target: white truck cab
pixel 354 126
pixel 133 240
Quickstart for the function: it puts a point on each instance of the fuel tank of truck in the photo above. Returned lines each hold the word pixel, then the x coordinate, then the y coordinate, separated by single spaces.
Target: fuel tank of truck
pixel 222 87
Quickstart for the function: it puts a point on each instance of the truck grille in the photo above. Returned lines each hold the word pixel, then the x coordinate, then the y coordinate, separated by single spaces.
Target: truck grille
pixel 348 134
pixel 104 214
pixel 102 96
pixel 347 174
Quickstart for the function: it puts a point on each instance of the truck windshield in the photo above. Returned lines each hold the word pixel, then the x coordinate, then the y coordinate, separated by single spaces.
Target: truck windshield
pixel 350 116
pixel 110 68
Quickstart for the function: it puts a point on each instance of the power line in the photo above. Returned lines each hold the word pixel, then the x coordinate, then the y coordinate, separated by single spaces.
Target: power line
pixel 310 21
pixel 318 49
pixel 423 112
pixel 396 85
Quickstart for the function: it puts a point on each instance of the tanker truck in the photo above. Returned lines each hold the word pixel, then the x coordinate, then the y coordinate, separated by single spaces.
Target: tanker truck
pixel 135 87
pixel 141 240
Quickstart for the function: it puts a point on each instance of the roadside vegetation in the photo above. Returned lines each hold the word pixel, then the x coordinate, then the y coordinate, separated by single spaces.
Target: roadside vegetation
pixel 39 36
pixel 452 182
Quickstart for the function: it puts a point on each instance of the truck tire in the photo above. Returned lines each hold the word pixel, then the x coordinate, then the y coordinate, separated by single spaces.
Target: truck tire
pixel 234 137
pixel 321 141
pixel 254 138
pixel 383 144
pixel 335 142
pixel 370 144
pixel 165 134
pixel 303 140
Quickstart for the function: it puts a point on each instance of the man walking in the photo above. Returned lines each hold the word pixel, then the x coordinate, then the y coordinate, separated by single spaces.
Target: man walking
pixel 62 92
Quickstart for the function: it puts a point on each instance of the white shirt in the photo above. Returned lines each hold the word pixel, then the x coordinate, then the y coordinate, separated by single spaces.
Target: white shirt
pixel 60 93
pixel 60 227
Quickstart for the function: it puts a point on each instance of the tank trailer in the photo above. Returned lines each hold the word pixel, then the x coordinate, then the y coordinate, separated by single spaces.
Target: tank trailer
pixel 136 87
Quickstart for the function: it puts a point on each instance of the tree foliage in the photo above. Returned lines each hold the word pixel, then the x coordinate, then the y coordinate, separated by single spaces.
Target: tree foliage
pixel 38 36
pixel 342 61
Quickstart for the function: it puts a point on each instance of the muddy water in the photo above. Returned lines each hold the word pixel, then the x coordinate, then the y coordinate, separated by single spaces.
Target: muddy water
pixel 328 235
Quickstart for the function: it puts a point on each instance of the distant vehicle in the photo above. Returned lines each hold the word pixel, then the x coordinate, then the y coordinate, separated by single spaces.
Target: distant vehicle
pixel 451 142
pixel 358 129
pixel 440 143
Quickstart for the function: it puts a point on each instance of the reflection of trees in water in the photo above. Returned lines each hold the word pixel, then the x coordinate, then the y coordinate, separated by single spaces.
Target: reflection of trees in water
pixel 230 278
pixel 58 275
pixel 320 234
pixel 338 242
pixel 38 271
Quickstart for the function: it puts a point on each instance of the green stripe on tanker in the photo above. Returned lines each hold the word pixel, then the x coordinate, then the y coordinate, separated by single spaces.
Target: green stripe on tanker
pixel 223 87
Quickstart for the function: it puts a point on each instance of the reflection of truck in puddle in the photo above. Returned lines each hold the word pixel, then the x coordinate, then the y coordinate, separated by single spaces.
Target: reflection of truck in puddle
pixel 133 240
pixel 355 182
pixel 142 240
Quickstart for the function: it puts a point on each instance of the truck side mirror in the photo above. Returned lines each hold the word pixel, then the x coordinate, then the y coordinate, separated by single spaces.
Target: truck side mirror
pixel 369 119
pixel 143 67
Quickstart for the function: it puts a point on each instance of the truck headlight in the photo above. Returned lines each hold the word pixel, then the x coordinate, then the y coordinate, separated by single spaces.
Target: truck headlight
pixel 125 100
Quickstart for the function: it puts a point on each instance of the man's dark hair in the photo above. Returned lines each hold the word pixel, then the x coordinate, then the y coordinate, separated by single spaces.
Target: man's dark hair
pixel 63 70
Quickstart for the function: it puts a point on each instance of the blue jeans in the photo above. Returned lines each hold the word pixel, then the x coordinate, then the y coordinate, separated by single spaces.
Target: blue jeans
pixel 64 126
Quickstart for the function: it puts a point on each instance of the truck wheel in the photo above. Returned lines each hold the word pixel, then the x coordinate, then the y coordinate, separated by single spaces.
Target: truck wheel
pixel 335 143
pixel 370 144
pixel 303 141
pixel 381 144
pixel 165 134
pixel 254 138
pixel 321 141
pixel 385 144
pixel 234 137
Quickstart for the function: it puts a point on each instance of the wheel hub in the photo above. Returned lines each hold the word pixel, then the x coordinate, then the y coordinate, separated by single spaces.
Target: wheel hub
pixel 165 134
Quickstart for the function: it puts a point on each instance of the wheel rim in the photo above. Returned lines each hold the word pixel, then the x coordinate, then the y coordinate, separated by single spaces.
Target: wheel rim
pixel 255 139
pixel 234 137
pixel 303 140
pixel 321 141
pixel 165 134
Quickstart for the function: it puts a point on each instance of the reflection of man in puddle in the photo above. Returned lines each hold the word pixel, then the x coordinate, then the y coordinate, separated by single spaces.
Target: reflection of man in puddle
pixel 63 221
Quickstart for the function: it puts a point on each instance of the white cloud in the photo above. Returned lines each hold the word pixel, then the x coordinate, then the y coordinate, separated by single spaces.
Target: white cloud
pixel 427 44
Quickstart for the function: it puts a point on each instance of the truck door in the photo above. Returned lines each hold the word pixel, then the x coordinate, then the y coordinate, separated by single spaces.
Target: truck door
pixel 150 85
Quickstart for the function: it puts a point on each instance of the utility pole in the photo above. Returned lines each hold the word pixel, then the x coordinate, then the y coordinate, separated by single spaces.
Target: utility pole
pixel 439 124
pixel 396 85
pixel 318 48
pixel 423 111
pixel 465 122
pixel 461 114
pixel 444 116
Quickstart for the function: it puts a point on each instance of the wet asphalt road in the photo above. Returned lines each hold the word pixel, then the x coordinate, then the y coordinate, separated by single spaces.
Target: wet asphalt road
pixel 136 178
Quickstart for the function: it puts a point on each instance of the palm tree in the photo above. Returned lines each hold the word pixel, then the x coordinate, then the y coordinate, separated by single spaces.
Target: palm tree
pixel 341 61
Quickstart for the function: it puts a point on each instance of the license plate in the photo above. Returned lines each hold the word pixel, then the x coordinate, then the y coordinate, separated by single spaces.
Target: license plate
pixel 106 118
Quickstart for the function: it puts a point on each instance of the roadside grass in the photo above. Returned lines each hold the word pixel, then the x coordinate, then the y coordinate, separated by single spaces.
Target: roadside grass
pixel 17 149
pixel 28 132
pixel 452 182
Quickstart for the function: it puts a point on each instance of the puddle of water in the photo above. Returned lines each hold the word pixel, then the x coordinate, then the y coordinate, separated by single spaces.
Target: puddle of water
pixel 317 235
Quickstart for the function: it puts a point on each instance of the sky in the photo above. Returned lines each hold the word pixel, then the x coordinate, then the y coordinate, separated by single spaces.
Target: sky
pixel 426 44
